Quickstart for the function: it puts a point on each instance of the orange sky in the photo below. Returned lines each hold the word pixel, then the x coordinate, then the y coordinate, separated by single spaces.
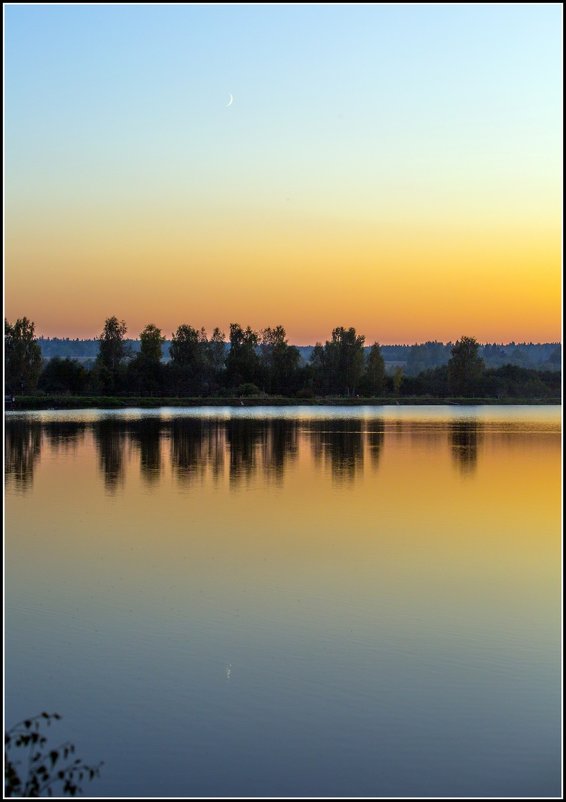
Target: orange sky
pixel 394 283
pixel 404 184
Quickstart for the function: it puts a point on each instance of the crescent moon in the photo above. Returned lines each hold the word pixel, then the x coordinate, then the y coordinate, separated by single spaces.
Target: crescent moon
pixel 230 101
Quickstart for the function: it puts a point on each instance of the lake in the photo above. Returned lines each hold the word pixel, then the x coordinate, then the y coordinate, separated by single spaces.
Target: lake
pixel 291 601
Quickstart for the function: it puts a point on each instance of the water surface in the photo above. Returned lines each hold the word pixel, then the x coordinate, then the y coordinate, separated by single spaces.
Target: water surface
pixel 288 601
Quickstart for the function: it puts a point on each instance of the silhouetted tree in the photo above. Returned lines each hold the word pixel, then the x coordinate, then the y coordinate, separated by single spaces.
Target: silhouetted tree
pixel 45 768
pixel 397 380
pixel 61 376
pixel 339 366
pixel 112 351
pixel 145 372
pixel 465 367
pixel 215 359
pixel 279 360
pixel 188 353
pixel 242 363
pixel 23 356
pixel 344 357
pixel 317 365
pixel 151 341
pixel 373 380
pixel 112 348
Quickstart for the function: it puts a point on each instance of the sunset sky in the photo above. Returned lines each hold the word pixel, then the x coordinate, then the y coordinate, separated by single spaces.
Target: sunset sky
pixel 393 168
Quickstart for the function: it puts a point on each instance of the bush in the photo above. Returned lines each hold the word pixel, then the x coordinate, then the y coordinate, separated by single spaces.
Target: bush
pixel 248 389
pixel 47 768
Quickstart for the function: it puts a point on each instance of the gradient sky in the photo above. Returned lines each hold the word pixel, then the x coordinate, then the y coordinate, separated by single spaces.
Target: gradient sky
pixel 394 168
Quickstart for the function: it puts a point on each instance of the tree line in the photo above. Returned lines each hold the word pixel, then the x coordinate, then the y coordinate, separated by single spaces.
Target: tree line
pixel 413 358
pixel 254 363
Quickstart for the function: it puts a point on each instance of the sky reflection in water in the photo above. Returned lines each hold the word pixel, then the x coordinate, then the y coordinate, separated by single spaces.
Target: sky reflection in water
pixel 351 602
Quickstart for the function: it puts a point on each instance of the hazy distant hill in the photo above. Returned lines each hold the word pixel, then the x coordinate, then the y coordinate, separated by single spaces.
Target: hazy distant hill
pixel 412 358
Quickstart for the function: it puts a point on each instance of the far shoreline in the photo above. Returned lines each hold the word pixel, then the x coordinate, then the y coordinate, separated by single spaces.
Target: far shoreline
pixel 34 403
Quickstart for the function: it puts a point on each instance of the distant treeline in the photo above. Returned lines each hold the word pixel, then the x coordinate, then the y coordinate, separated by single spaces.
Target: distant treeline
pixel 412 358
pixel 255 363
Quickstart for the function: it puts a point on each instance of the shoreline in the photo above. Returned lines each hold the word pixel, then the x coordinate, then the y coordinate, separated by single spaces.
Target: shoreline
pixel 32 403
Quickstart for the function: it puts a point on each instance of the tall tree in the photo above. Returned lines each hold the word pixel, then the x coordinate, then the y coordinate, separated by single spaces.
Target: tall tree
pixel 318 370
pixel 242 362
pixel 22 355
pixel 397 380
pixel 151 341
pixel 185 350
pixel 465 367
pixel 145 373
pixel 344 355
pixel 279 360
pixel 215 359
pixel 112 348
pixel 188 353
pixel 112 351
pixel 374 376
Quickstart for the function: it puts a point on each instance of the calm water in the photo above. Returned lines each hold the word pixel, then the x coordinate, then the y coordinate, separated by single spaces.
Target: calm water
pixel 359 602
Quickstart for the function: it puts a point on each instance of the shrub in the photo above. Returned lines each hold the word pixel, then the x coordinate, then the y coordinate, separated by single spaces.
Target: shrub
pixel 47 768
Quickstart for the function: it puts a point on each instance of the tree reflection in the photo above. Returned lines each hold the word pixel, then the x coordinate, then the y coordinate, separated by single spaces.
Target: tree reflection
pixel 280 445
pixel 199 448
pixel 216 448
pixel 187 438
pixel 110 439
pixel 464 439
pixel 243 436
pixel 22 451
pixel 339 442
pixel 145 435
pixel 375 439
pixel 64 435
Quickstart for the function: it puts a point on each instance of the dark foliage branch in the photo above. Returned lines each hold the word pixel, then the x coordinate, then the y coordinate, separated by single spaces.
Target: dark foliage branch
pixel 39 769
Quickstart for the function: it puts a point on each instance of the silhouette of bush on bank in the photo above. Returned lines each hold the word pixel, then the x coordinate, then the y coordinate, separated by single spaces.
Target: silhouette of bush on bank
pixel 42 769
